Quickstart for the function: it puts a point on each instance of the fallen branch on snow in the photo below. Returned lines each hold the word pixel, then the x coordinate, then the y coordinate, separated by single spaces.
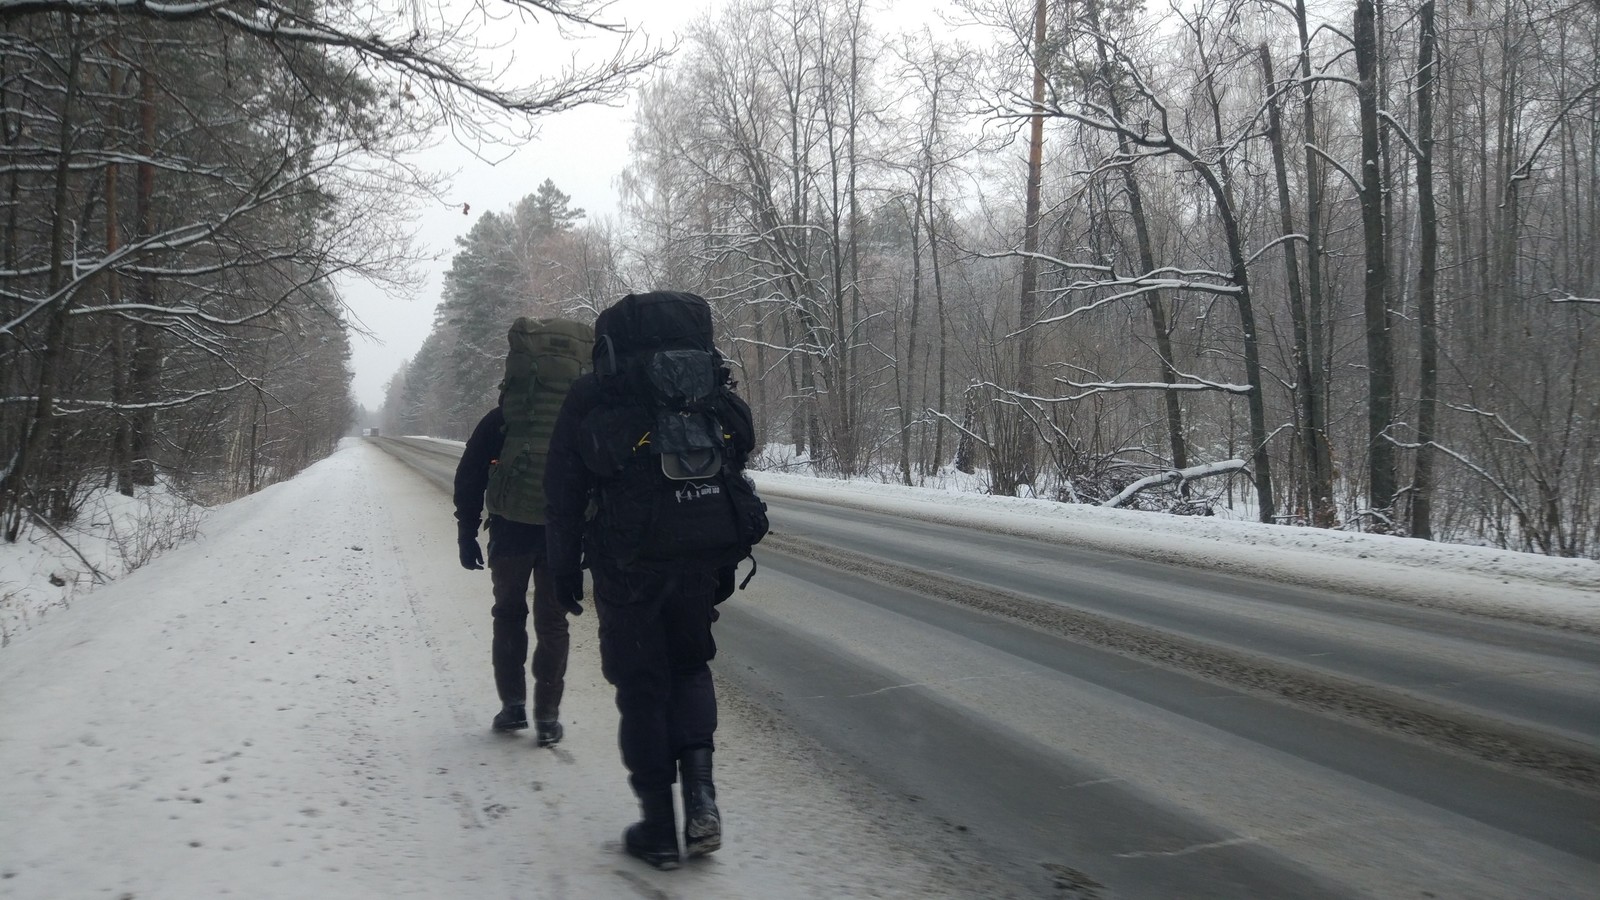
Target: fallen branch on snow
pixel 1179 476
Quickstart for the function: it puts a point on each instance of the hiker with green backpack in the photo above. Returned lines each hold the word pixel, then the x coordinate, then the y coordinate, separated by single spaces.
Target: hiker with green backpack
pixel 502 470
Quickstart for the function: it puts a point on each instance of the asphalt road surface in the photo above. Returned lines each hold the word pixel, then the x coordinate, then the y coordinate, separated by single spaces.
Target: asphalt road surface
pixel 1103 727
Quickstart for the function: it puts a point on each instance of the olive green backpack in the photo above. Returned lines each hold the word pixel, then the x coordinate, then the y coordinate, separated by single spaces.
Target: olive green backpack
pixel 545 357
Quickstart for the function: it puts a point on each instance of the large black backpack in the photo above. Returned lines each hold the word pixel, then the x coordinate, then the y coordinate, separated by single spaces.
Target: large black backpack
pixel 669 442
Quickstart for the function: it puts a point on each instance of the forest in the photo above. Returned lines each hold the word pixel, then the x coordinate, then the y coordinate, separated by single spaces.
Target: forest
pixel 1329 264
pixel 180 186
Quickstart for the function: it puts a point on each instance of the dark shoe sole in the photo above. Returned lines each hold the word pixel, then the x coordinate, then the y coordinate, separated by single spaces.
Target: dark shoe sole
pixel 660 861
pixel 705 848
pixel 511 717
pixel 702 836
pixel 664 860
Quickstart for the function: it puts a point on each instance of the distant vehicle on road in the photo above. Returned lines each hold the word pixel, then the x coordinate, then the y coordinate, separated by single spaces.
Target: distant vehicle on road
pixel 370 432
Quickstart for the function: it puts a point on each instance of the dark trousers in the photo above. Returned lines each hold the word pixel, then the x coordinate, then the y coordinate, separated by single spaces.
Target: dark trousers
pixel 511 575
pixel 655 643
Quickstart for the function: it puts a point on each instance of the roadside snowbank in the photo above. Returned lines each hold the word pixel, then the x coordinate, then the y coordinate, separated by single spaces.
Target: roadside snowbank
pixel 1522 586
pixel 1479 579
pixel 46 570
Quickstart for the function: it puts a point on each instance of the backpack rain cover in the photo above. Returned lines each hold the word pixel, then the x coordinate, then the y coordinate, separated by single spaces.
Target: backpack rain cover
pixel 544 358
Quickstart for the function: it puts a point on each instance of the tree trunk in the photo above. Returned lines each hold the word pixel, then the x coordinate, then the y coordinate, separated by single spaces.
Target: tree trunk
pixel 1320 461
pixel 1220 181
pixel 836 358
pixel 1147 259
pixel 944 332
pixel 797 403
pixel 1503 261
pixel 813 404
pixel 147 338
pixel 1019 467
pixel 762 391
pixel 121 450
pixel 1261 460
pixel 909 365
pixel 12 431
pixel 849 393
pixel 966 452
pixel 1380 364
pixel 37 431
pixel 1303 359
pixel 1427 314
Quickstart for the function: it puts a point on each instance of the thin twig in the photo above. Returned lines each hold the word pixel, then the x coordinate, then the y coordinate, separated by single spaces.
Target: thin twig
pixel 99 577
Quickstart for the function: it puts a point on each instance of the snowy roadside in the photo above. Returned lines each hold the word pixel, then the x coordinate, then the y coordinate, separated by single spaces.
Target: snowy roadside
pixel 296 705
pixel 1527 587
pixel 48 570
pixel 1561 592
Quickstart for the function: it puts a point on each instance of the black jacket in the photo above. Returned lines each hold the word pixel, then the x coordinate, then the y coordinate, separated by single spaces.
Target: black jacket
pixel 506 538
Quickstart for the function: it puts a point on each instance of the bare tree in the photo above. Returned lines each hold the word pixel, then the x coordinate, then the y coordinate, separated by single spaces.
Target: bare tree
pixel 1379 322
pixel 1240 213
pixel 269 156
pixel 1427 279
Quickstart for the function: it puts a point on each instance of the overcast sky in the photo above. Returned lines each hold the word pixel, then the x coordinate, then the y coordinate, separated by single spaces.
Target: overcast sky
pixel 583 151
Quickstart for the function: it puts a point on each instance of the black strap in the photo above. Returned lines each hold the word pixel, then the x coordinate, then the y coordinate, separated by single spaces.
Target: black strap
pixel 605 348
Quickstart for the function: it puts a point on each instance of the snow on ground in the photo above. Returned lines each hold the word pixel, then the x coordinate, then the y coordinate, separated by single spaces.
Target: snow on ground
pixel 1563 592
pixel 296 705
pixel 113 535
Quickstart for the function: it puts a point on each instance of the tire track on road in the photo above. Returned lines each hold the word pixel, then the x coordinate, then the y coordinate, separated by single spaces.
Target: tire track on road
pixel 1527 751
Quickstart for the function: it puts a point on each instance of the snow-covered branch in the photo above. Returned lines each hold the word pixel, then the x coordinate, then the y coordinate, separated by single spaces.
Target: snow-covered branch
pixel 1090 388
pixel 1476 469
pixel 442 62
pixel 1498 420
pixel 1397 128
pixel 1275 242
pixel 1177 476
pixel 91 405
pixel 1354 181
pixel 944 417
pixel 1525 170
pixel 1139 289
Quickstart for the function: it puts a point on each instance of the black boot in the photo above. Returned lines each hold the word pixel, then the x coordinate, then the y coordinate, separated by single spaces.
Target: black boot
pixel 511 717
pixel 702 823
pixel 654 839
pixel 549 732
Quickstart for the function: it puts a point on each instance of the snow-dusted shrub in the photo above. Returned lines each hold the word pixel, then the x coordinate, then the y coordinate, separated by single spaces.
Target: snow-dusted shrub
pixel 50 566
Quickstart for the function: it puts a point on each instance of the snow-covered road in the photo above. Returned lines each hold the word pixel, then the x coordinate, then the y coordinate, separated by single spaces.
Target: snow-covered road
pixel 1072 769
pixel 297 705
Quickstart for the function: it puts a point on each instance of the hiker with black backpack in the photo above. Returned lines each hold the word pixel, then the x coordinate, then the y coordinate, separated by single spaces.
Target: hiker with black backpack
pixel 503 468
pixel 646 488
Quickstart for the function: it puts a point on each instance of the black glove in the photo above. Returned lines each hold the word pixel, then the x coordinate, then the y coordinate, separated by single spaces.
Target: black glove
pixel 569 590
pixel 725 580
pixel 471 553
